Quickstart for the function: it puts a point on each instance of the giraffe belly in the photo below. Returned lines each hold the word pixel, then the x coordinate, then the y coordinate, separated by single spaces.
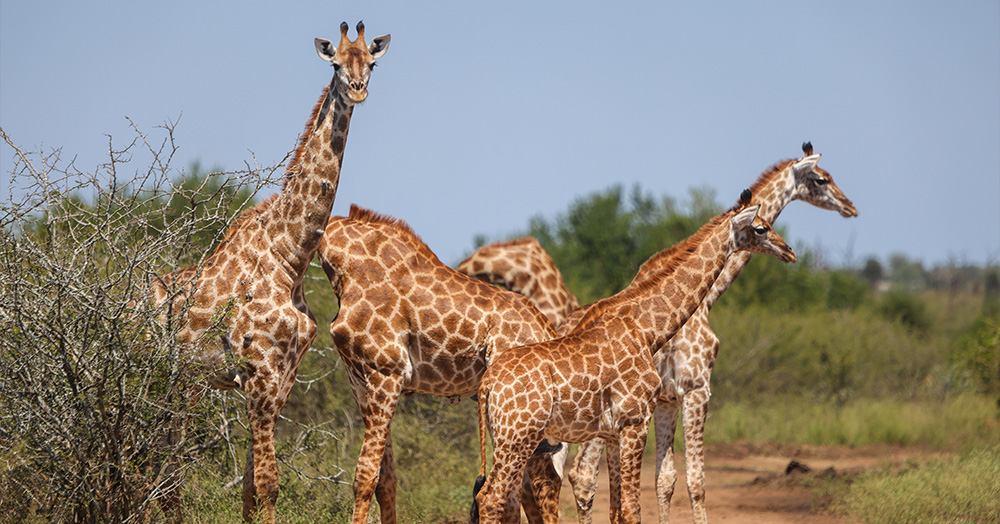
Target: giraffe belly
pixel 587 418
pixel 451 378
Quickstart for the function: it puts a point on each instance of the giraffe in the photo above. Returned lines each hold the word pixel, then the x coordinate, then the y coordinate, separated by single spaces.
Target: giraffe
pixel 599 381
pixel 685 366
pixel 250 287
pixel 410 324
pixel 524 267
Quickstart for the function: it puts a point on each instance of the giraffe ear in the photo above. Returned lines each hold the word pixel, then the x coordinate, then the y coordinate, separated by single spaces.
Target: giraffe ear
pixel 806 164
pixel 325 49
pixel 379 45
pixel 745 217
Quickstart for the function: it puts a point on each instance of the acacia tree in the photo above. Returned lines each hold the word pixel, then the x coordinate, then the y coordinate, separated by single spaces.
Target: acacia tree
pixel 93 382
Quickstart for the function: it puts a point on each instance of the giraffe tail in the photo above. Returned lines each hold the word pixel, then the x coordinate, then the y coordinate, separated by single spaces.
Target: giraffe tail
pixel 484 396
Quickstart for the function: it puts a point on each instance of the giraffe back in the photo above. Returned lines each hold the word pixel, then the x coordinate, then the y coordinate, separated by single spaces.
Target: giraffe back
pixel 404 311
pixel 523 266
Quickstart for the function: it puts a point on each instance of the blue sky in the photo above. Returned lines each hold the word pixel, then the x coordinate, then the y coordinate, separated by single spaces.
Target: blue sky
pixel 483 115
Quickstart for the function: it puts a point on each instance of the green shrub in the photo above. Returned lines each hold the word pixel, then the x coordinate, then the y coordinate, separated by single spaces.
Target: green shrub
pixel 901 306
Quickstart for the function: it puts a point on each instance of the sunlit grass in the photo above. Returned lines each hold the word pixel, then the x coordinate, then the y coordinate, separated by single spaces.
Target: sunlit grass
pixel 964 489
pixel 961 421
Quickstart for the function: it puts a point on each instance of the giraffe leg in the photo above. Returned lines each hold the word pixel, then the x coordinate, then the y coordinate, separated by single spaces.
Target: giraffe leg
pixel 531 510
pixel 632 442
pixel 249 492
pixel 385 491
pixel 498 498
pixel 614 482
pixel 540 487
pixel 583 478
pixel 377 407
pixel 171 502
pixel 665 421
pixel 260 480
pixel 695 415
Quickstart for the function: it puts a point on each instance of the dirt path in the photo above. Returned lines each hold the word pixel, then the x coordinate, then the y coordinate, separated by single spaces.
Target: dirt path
pixel 747 483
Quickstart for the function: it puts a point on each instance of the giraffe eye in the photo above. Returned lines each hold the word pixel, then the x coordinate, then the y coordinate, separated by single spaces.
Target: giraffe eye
pixel 372 65
pixel 336 66
pixel 821 181
pixel 760 230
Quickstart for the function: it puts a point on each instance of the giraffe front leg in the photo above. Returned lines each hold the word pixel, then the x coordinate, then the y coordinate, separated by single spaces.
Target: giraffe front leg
pixel 695 416
pixel 665 423
pixel 632 442
pixel 381 395
pixel 583 478
pixel 260 479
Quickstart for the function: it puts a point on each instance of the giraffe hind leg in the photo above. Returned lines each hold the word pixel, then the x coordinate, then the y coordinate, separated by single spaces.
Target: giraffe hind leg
pixel 665 423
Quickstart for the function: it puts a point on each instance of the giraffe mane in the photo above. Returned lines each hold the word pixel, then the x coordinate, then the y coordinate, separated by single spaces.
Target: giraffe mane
pixel 769 173
pixel 513 242
pixel 397 224
pixel 671 258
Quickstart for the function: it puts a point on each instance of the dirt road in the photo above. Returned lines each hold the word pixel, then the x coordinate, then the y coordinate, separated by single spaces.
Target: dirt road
pixel 747 483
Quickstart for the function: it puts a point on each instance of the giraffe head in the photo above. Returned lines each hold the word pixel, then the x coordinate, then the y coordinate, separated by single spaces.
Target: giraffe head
pixel 815 185
pixel 752 233
pixel 352 61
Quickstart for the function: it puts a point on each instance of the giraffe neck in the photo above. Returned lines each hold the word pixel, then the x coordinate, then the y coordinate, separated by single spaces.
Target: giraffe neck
pixel 773 195
pixel 305 202
pixel 674 294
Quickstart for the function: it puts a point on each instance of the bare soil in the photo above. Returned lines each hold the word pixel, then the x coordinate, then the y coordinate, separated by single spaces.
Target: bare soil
pixel 753 483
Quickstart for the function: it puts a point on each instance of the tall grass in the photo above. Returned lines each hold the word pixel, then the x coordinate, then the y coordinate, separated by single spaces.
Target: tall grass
pixel 958 422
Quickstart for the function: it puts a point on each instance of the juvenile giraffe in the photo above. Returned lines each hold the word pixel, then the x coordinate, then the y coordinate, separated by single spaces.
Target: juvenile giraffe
pixel 253 279
pixel 524 267
pixel 599 381
pixel 685 364
pixel 410 324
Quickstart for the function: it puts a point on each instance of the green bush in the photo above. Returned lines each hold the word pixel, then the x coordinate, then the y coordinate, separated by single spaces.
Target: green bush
pixel 905 308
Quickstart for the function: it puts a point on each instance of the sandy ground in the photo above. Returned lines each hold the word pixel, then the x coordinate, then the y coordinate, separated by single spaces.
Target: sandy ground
pixel 747 483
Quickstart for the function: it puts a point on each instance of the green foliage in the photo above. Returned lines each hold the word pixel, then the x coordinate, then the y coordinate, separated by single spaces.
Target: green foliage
pixel 978 354
pixel 778 286
pixel 195 212
pixel 906 273
pixel 600 242
pixel 902 307
pixel 845 290
pixel 964 489
pixel 824 355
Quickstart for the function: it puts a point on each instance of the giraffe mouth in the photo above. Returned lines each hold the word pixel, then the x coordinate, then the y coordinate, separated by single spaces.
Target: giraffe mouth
pixel 786 255
pixel 356 95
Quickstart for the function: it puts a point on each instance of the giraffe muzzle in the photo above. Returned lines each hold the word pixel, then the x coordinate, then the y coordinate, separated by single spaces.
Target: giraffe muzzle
pixel 357 92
